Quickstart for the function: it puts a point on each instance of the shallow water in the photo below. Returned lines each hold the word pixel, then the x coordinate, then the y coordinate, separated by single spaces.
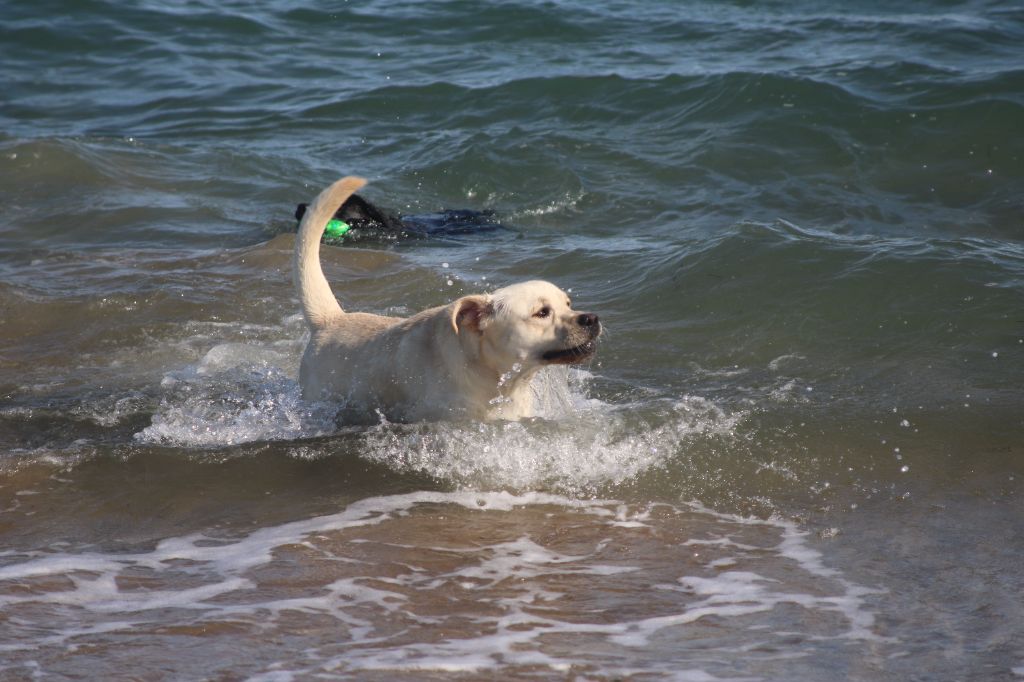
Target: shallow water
pixel 796 457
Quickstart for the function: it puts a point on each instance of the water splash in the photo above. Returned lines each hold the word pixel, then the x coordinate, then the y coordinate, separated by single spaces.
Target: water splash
pixel 236 394
pixel 598 444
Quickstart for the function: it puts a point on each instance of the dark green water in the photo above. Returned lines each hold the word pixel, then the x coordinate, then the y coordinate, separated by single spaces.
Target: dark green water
pixel 798 455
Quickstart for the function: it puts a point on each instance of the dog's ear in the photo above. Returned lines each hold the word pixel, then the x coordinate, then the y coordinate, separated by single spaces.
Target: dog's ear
pixel 471 312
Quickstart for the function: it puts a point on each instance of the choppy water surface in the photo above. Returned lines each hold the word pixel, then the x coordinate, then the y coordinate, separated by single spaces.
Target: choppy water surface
pixel 797 457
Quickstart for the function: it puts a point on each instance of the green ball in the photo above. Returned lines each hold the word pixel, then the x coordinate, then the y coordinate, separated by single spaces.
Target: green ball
pixel 336 228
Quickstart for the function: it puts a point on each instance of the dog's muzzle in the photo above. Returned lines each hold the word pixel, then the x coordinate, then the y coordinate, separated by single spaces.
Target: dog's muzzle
pixel 590 326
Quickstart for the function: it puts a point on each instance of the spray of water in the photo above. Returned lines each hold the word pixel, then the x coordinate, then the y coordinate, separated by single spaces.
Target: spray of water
pixel 236 394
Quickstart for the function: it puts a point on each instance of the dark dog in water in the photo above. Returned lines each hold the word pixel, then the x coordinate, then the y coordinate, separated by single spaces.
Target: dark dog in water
pixel 365 221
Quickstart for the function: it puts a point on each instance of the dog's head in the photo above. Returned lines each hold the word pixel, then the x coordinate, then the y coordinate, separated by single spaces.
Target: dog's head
pixel 529 324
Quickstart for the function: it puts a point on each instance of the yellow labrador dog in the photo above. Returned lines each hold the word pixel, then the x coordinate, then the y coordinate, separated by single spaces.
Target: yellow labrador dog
pixel 473 358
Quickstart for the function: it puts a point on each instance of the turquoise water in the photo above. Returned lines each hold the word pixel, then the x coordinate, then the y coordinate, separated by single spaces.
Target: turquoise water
pixel 797 456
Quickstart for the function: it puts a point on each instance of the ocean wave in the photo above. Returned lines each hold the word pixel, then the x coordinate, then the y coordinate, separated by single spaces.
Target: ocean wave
pixel 510 583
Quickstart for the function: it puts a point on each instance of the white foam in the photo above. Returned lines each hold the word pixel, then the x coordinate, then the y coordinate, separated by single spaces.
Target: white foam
pixel 568 201
pixel 596 445
pixel 776 364
pixel 517 593
pixel 235 394
pixel 273 676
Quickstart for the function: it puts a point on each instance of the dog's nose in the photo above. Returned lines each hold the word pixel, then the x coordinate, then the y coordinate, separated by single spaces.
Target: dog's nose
pixel 587 319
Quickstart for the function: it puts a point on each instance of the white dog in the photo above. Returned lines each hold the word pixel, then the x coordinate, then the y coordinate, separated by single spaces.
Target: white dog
pixel 473 358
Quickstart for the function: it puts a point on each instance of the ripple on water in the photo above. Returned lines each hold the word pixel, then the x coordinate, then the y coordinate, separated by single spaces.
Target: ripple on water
pixel 459 581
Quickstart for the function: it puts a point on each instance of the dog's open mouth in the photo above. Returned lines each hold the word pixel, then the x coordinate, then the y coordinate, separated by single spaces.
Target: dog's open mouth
pixel 570 355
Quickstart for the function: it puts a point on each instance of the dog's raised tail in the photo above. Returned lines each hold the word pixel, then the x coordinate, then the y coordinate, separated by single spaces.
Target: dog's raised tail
pixel 318 302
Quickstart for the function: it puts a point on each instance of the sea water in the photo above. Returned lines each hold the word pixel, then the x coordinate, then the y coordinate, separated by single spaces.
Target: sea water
pixel 796 456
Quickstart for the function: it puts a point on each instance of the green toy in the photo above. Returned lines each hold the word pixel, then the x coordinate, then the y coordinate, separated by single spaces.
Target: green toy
pixel 336 229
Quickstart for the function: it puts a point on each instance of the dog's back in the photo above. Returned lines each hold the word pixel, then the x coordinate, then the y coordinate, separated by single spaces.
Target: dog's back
pixel 395 367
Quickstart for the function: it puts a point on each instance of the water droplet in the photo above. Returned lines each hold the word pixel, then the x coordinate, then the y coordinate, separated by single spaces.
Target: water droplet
pixel 904 468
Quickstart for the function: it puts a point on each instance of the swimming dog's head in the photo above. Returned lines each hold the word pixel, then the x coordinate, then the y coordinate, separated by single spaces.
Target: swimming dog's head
pixel 526 325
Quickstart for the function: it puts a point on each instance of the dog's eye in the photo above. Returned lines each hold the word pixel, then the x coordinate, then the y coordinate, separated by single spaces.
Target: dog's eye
pixel 543 312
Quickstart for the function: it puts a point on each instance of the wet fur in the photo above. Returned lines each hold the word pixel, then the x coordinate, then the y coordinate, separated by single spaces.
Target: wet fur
pixel 473 358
